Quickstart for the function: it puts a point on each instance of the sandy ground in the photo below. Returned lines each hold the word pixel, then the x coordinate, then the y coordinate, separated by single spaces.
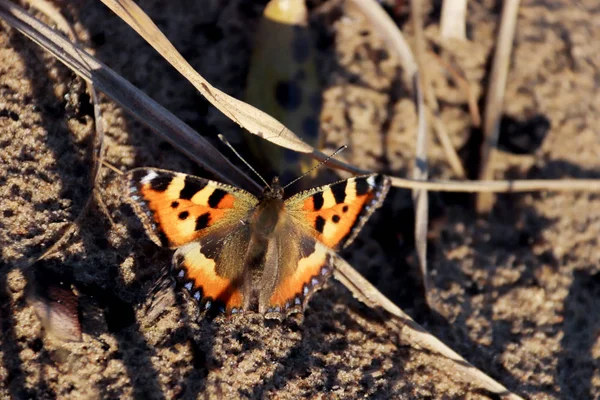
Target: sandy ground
pixel 516 292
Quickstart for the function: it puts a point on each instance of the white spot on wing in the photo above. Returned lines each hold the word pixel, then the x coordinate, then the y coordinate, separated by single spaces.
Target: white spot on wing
pixel 151 175
pixel 371 180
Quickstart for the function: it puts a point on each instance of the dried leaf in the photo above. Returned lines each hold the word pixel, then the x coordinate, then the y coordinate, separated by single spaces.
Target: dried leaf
pixel 247 116
pixel 57 308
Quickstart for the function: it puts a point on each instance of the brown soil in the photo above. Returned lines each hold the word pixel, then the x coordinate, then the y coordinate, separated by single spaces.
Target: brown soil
pixel 517 292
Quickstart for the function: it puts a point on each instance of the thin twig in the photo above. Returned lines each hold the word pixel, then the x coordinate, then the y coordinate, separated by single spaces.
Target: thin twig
pixel 453 23
pixel 507 186
pixel 420 170
pixel 466 87
pixel 98 143
pixel 495 98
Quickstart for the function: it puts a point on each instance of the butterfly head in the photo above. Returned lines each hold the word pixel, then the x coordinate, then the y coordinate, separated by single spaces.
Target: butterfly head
pixel 273 191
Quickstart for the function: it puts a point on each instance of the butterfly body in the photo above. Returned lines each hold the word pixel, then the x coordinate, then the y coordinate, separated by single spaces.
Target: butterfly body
pixel 237 252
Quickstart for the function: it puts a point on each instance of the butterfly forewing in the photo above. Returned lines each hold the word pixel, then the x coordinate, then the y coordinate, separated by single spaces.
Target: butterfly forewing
pixel 336 213
pixel 177 209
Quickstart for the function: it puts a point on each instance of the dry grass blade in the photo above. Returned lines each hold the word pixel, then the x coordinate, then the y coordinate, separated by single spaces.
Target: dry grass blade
pixel 247 116
pixel 453 23
pixel 532 185
pixel 430 99
pixel 392 36
pixel 495 98
pixel 466 87
pixel 412 332
pixel 420 171
pixel 98 143
pixel 146 110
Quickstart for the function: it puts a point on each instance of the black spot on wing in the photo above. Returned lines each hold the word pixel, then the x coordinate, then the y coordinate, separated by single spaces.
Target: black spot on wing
pixel 339 191
pixel 335 218
pixel 320 224
pixel 215 198
pixel 362 186
pixel 138 174
pixel 318 201
pixel 191 187
pixel 345 209
pixel 183 215
pixel 159 183
pixel 202 221
pixel 175 204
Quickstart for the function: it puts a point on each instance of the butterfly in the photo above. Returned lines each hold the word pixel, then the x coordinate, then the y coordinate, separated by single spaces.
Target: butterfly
pixel 236 252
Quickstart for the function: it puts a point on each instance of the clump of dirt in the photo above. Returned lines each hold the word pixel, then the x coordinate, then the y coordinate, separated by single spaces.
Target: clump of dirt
pixel 516 292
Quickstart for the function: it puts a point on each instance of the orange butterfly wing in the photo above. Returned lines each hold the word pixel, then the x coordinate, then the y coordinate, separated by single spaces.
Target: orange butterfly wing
pixel 337 212
pixel 176 208
pixel 321 219
pixel 201 218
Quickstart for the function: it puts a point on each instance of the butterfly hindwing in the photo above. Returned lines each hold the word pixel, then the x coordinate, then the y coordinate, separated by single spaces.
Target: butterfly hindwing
pixel 210 269
pixel 337 212
pixel 177 209
pixel 305 265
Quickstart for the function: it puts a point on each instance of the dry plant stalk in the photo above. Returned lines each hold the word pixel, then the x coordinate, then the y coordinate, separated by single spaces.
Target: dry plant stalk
pixel 453 22
pixel 505 186
pixel 98 143
pixel 495 99
pixel 248 117
pixel 420 169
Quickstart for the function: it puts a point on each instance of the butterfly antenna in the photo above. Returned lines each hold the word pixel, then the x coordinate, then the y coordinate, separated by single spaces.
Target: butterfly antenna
pixel 340 149
pixel 242 158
